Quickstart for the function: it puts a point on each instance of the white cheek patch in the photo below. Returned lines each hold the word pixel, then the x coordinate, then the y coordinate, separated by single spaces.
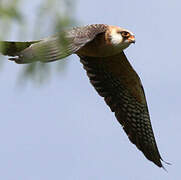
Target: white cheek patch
pixel 116 38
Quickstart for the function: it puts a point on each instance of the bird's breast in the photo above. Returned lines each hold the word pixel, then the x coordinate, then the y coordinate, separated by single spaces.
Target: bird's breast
pixel 99 47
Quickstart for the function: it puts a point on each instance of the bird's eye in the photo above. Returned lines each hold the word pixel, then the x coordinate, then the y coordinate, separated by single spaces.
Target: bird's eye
pixel 125 34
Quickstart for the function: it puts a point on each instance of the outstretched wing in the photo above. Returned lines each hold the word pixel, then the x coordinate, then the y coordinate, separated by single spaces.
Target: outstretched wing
pixel 52 48
pixel 115 79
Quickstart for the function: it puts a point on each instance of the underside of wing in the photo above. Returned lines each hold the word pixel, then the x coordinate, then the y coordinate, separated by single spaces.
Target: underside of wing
pixel 115 80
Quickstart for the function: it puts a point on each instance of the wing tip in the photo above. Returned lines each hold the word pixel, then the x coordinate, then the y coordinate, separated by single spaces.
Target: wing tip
pixel 17 60
pixel 164 166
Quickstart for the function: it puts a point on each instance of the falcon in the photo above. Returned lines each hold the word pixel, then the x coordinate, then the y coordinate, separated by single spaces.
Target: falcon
pixel 100 49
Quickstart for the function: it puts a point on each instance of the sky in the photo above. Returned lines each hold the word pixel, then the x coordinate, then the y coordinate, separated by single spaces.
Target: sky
pixel 64 130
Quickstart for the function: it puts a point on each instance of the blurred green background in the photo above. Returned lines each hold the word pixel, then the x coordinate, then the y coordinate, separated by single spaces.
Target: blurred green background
pixel 49 17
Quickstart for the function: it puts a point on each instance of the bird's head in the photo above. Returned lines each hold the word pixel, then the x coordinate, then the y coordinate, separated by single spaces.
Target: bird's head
pixel 121 37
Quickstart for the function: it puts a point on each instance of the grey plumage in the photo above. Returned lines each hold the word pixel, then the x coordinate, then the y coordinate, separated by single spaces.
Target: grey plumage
pixel 52 48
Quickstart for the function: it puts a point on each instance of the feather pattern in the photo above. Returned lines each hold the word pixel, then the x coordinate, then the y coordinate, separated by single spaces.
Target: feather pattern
pixel 100 48
pixel 122 91
pixel 52 48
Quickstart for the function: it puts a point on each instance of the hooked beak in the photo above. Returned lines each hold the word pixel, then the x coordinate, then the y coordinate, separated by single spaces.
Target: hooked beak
pixel 131 39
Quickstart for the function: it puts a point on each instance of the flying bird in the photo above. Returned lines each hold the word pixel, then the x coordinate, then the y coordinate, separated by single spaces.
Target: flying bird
pixel 100 48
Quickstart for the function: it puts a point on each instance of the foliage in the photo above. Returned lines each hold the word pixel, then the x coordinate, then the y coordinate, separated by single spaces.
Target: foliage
pixel 24 19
